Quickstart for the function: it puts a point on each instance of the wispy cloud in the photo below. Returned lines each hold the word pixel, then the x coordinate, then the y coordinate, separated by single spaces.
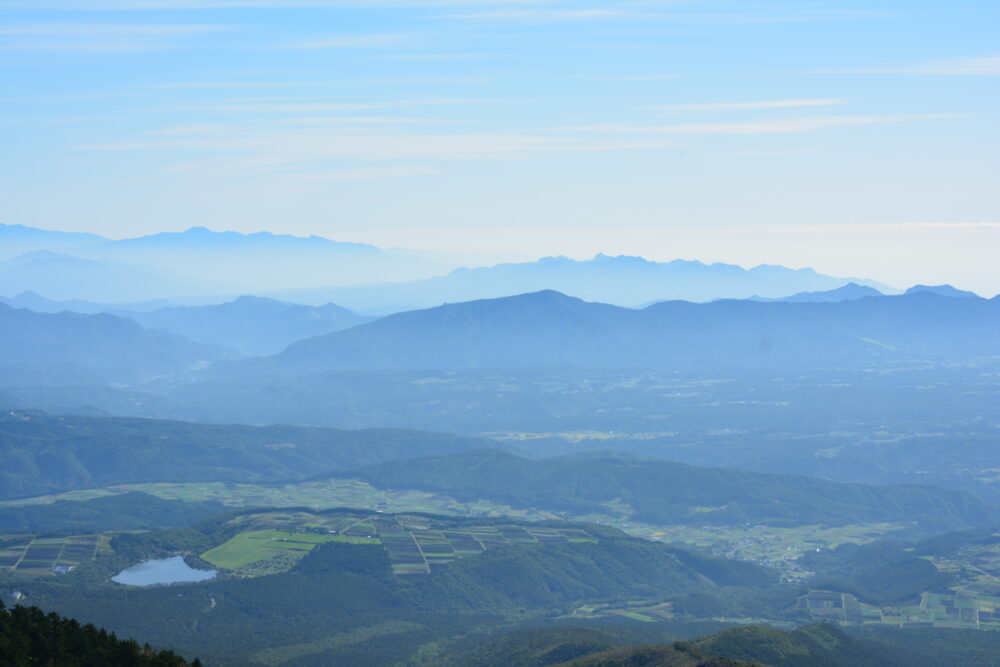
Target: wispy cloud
pixel 352 42
pixel 113 37
pixel 749 106
pixel 653 10
pixel 764 127
pixel 159 5
pixel 979 66
pixel 369 81
pixel 280 147
pixel 313 105
pixel 546 15
pixel 222 85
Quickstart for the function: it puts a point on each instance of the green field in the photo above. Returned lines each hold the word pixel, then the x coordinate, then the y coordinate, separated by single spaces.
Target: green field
pixel 258 546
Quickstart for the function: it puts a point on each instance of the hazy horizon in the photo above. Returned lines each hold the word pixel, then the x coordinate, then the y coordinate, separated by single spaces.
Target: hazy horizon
pixel 854 138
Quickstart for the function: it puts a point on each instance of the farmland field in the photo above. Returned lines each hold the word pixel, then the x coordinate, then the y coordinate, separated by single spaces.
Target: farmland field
pixel 772 546
pixel 274 541
pixel 27 555
pixel 262 546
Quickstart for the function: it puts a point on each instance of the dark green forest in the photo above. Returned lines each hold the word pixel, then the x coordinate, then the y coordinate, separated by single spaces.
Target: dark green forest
pixel 29 636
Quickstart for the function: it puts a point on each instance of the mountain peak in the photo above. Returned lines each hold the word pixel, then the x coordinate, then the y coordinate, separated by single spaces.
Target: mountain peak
pixel 943 290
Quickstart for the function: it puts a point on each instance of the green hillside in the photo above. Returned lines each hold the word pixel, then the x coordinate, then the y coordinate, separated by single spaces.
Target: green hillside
pixel 745 645
pixel 41 454
pixel 664 492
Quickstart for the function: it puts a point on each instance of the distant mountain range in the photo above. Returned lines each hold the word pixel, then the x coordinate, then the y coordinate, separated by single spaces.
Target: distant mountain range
pixel 548 328
pixel 197 261
pixel 34 301
pixel 942 290
pixel 364 278
pixel 66 277
pixel 251 325
pixel 70 348
pixel 622 280
pixel 848 292
pixel 19 240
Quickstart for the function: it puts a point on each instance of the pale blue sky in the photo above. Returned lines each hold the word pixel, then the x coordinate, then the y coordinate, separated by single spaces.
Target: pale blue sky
pixel 856 137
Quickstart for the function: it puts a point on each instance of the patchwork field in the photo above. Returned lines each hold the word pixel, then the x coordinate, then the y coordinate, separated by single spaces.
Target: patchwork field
pixel 771 546
pixel 776 547
pixel 940 610
pixel 34 557
pixel 275 541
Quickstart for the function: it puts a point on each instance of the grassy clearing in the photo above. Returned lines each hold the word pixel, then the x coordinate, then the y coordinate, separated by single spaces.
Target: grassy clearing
pixel 259 545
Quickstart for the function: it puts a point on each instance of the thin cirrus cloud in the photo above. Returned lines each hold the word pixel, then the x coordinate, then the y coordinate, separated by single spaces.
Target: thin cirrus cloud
pixel 113 37
pixel 547 15
pixel 764 127
pixel 750 106
pixel 352 42
pixel 308 144
pixel 160 5
pixel 312 105
pixel 979 66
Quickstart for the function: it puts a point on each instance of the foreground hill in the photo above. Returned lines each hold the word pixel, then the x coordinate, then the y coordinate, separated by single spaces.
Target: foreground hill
pixel 820 645
pixel 29 636
pixel 40 454
pixel 549 328
pixel 812 646
pixel 251 325
pixel 42 348
pixel 664 492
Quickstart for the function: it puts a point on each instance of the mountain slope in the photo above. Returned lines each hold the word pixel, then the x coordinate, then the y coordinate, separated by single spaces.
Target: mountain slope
pixel 548 328
pixel 252 325
pixel 664 492
pixel 42 348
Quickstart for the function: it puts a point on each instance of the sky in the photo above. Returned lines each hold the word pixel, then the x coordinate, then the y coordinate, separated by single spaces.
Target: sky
pixel 859 138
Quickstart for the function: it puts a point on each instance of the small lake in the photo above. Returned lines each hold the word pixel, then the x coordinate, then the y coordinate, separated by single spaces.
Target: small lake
pixel 164 571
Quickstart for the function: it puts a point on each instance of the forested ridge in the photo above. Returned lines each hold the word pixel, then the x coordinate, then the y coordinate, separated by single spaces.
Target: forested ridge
pixel 29 636
pixel 41 453
pixel 666 492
